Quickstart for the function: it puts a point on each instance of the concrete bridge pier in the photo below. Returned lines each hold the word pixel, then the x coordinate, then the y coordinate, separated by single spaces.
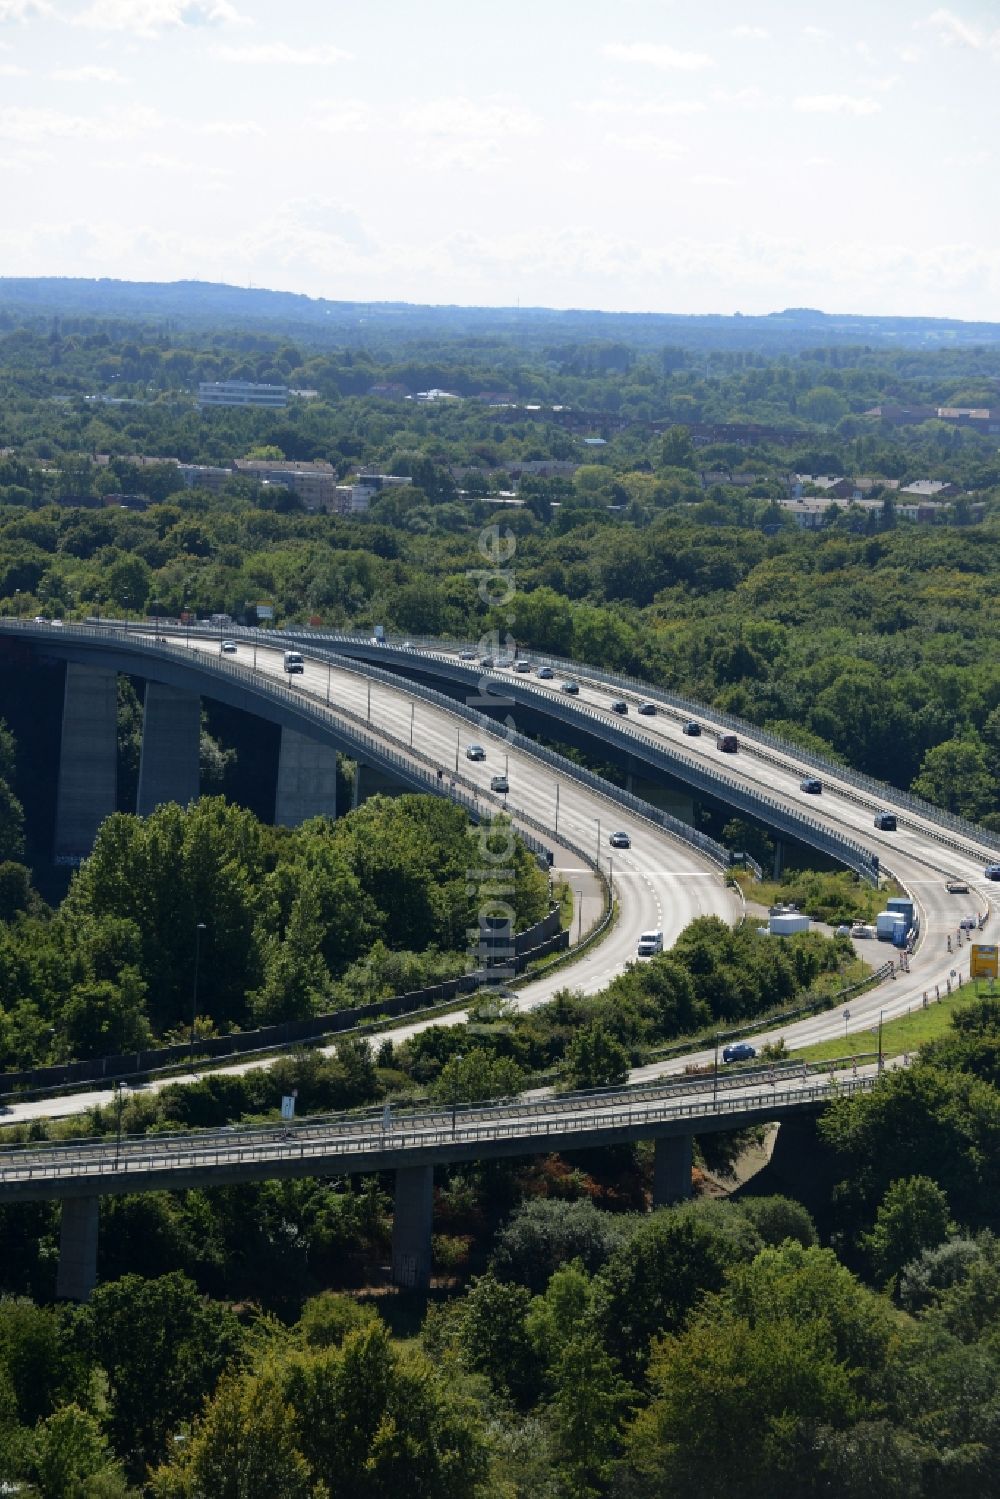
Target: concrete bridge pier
pixel 411 1228
pixel 671 1169
pixel 171 740
pixel 88 760
pixel 307 780
pixel 76 1276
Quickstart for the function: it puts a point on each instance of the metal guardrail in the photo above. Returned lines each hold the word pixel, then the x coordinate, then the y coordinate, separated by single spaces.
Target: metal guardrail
pixel 456 1133
pixel 630 738
pixel 881 792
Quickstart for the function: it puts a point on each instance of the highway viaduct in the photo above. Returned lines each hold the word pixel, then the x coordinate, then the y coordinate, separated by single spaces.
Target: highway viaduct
pixel 409 1144
pixel 762 780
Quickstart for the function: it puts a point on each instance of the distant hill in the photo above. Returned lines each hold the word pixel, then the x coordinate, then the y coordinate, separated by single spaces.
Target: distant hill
pixel 385 325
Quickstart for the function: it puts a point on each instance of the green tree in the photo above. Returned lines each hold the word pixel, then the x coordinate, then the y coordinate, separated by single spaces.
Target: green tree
pixel 955 775
pixel 477 1076
pixel 594 1059
pixel 162 1348
pixel 912 1217
pixel 69 1458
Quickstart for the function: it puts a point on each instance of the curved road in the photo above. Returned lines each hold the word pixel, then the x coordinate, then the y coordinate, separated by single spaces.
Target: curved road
pixel 660 882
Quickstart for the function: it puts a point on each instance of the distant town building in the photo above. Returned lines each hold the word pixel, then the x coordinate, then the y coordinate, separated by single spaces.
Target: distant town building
pixel 241 393
pixel 425 396
pixel 314 483
pixel 367 487
pixel 204 476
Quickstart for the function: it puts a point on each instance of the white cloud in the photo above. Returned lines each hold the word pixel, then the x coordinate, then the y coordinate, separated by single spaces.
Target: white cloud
pixel 11 70
pixel 148 17
pixel 23 10
pixel 750 33
pixel 645 108
pixel 741 98
pixel 648 145
pixel 953 31
pixel 884 84
pixel 817 33
pixel 156 162
pixel 345 117
pixel 270 54
pixel 837 104
pixel 232 128
pixel 658 56
pixel 29 125
pixel 464 118
pixel 86 74
pixel 711 179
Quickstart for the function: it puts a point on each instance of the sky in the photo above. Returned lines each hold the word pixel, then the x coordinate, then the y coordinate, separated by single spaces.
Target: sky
pixel 650 155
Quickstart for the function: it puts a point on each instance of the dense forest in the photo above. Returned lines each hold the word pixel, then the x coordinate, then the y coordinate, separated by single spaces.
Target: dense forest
pixel 831 1326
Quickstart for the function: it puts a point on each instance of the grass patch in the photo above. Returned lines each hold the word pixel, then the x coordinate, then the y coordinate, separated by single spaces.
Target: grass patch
pixel 908 1033
pixel 831 897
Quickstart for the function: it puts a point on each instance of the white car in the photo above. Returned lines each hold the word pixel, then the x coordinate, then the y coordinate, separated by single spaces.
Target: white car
pixel 228 647
pixel 649 944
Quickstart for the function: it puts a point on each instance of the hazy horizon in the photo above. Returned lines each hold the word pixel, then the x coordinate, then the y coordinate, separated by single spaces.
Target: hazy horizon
pixel 650 159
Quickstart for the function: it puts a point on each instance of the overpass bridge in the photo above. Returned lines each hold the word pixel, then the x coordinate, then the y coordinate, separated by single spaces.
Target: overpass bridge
pixel 410 1144
pixel 665 880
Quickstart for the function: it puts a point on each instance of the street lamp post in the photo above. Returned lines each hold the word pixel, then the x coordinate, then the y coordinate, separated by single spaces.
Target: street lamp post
pixel 880 1043
pixel 579 914
pixel 369 702
pixel 458 740
pixel 194 997
pixel 598 843
pixel 329 669
pixel 119 1106
pixel 715 1078
pixel 557 810
pixel 413 709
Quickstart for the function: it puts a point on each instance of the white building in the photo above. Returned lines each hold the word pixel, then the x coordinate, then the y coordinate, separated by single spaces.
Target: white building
pixel 241 393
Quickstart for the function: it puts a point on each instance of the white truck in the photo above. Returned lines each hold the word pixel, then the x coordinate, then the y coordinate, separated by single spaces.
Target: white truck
pixel 294 664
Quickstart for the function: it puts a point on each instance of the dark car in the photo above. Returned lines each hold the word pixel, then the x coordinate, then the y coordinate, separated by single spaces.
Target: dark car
pixel 692 728
pixel 486 662
pixel 499 783
pixel 886 823
pixel 727 743
pixel 467 656
pixel 475 752
pixel 619 705
pixel 812 784
pixel 571 687
pixel 620 840
pixel 740 1051
pixel 993 871
pixel 648 710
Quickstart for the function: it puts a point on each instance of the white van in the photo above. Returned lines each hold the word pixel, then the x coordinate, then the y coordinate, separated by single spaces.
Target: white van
pixel 294 663
pixel 650 943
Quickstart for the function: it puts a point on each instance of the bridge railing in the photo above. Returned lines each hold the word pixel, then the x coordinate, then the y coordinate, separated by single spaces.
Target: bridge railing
pixel 628 737
pixel 880 792
pixel 425 1133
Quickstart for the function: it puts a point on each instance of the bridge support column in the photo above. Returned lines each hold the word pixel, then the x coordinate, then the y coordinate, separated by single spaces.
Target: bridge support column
pixel 88 760
pixel 76 1276
pixel 779 858
pixel 307 780
pixel 411 1228
pixel 671 1169
pixel 171 739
